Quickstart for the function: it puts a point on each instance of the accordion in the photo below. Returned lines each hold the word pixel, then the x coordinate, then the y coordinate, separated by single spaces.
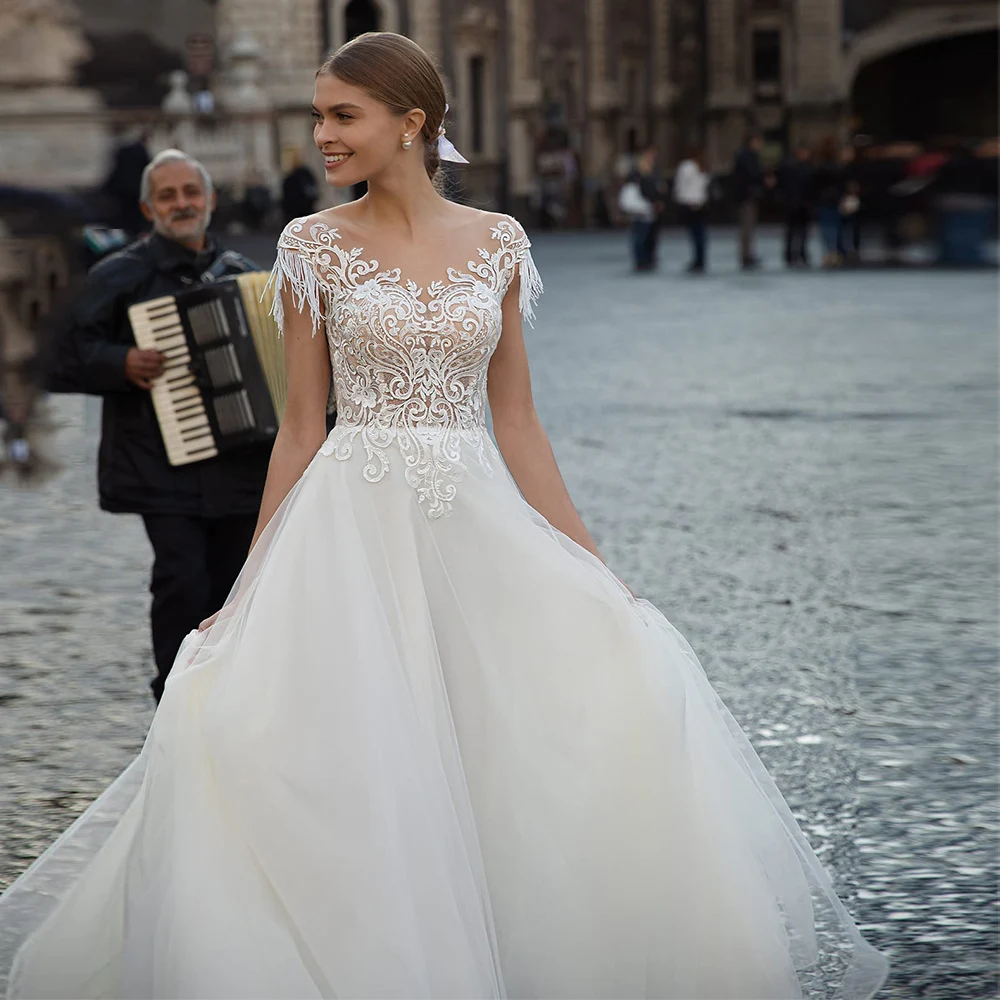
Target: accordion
pixel 223 385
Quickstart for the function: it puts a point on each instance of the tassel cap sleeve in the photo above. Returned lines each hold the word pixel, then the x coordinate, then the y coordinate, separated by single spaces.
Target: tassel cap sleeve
pixel 294 270
pixel 519 248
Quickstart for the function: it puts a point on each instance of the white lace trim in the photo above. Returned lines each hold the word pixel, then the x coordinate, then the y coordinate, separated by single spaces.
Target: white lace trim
pixel 531 286
pixel 292 267
pixel 408 371
pixel 295 271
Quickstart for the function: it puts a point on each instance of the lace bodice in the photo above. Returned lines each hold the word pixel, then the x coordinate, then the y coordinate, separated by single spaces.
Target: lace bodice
pixel 409 363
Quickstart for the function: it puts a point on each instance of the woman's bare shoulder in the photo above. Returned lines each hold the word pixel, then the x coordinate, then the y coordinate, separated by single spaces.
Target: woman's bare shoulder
pixel 337 218
pixel 490 224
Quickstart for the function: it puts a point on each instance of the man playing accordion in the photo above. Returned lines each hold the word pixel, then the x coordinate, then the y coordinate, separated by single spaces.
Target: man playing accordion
pixel 199 517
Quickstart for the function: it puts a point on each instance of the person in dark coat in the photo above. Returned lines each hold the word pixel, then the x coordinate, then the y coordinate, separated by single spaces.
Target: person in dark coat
pixel 795 187
pixel 828 182
pixel 652 190
pixel 642 201
pixel 298 191
pixel 200 518
pixel 849 245
pixel 748 184
pixel 123 183
pixel 962 196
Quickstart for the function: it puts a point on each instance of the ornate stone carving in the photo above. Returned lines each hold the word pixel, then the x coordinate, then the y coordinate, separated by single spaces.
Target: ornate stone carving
pixel 178 100
pixel 244 58
pixel 41 43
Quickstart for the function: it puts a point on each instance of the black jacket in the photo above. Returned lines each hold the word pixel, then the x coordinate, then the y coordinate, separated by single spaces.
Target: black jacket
pixel 828 181
pixel 796 185
pixel 748 176
pixel 123 186
pixel 299 193
pixel 133 473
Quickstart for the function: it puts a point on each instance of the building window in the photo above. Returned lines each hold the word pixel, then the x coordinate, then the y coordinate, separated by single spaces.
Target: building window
pixel 767 64
pixel 477 103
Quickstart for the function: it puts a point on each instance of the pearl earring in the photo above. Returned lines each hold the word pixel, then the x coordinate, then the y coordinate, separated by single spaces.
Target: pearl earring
pixel 407 142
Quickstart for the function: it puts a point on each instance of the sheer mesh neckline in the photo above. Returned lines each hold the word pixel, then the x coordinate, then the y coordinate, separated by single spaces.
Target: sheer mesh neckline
pixel 310 258
pixel 423 292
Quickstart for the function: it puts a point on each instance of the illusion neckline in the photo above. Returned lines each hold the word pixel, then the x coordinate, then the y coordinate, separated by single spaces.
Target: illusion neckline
pixel 424 295
pixel 372 270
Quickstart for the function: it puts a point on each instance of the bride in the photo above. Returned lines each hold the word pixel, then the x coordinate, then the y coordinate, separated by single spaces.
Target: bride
pixel 431 746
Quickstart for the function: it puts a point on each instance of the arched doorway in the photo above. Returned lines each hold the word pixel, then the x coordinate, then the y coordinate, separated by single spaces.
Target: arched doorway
pixel 346 19
pixel 937 89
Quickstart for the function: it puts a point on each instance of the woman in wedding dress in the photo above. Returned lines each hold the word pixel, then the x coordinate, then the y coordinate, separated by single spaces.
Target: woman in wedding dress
pixel 431 746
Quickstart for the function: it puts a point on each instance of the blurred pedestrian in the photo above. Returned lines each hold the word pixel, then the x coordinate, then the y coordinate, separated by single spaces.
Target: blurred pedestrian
pixel 257 202
pixel 888 193
pixel 849 233
pixel 41 266
pixel 655 189
pixel 122 184
pixel 691 191
pixel 298 190
pixel 748 183
pixel 963 199
pixel 829 191
pixel 199 518
pixel 642 202
pixel 555 168
pixel 795 189
pixel 18 359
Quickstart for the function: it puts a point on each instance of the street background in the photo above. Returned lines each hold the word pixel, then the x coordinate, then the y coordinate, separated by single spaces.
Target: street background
pixel 799 469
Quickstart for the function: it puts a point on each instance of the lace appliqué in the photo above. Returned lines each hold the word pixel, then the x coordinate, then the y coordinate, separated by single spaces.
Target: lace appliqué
pixel 409 364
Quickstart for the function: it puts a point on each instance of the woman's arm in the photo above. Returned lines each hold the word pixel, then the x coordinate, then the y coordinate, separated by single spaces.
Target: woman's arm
pixel 303 427
pixel 522 440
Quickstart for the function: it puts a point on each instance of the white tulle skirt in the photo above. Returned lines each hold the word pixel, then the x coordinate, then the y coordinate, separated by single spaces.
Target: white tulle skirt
pixel 441 757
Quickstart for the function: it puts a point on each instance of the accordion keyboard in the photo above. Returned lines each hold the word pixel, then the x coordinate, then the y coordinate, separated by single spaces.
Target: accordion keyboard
pixel 180 409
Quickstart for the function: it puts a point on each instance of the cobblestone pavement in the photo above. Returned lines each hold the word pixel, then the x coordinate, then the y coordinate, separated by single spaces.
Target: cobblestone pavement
pixel 799 469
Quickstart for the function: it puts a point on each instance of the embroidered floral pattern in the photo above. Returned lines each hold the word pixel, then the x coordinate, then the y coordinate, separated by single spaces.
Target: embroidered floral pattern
pixel 409 364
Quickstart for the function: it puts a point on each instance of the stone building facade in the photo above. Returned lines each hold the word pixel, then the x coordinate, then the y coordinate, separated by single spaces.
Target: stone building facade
pixel 554 92
pixel 548 97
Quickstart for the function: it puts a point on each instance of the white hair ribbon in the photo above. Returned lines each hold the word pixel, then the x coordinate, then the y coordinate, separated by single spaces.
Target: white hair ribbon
pixel 446 148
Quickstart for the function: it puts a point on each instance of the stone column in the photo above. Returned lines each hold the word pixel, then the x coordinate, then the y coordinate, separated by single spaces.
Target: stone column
pixel 524 96
pixel 728 101
pixel 722 53
pixel 425 26
pixel 663 90
pixel 817 57
pixel 602 96
pixel 597 47
pixel 817 92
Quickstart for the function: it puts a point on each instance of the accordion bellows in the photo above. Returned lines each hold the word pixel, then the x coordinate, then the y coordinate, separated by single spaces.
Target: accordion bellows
pixel 257 299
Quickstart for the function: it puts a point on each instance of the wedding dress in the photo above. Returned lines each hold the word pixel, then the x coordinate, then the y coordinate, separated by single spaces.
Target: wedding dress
pixel 431 747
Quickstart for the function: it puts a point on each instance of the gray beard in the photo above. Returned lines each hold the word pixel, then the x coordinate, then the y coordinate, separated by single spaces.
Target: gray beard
pixel 158 227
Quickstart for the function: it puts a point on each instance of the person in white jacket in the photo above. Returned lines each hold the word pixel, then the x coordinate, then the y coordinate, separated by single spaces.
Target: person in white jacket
pixel 691 187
